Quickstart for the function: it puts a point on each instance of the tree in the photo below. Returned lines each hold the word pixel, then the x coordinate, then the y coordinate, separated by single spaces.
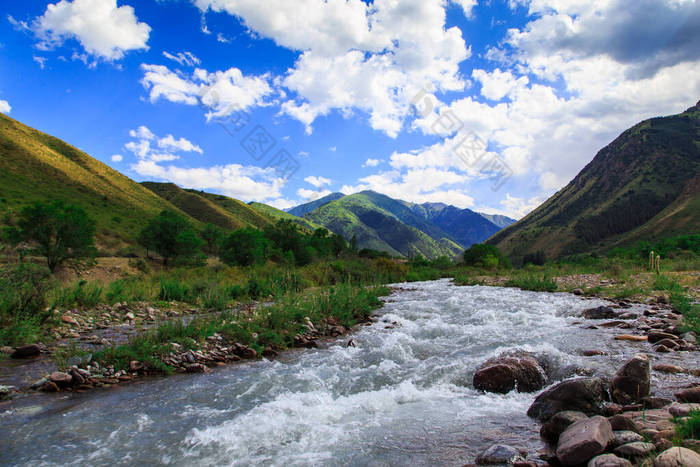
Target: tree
pixel 245 247
pixel 212 236
pixel 485 256
pixel 171 236
pixel 60 232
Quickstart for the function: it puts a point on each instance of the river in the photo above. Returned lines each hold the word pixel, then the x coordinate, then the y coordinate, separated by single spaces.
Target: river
pixel 401 396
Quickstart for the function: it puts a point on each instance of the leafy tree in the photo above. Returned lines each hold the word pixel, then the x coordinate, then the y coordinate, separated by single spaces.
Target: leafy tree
pixel 60 232
pixel 485 256
pixel 245 247
pixel 171 236
pixel 212 237
pixel 538 258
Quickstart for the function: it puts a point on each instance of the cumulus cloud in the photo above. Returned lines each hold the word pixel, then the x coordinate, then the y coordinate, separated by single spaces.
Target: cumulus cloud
pixel 371 163
pixel 117 158
pixel 353 55
pixel 5 107
pixel 105 30
pixel 183 58
pixel 318 182
pixel 311 195
pixel 222 92
pixel 149 147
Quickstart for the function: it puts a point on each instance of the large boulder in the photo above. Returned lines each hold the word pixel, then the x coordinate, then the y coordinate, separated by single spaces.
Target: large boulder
pixel 625 437
pixel 631 383
pixel 601 312
pixel 609 460
pixel 584 440
pixel 677 457
pixel 689 395
pixel 555 426
pixel 498 454
pixel 635 450
pixel 503 374
pixel 622 422
pixel 580 394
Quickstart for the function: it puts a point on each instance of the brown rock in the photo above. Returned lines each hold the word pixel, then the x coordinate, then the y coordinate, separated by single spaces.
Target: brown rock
pixel 677 457
pixel 69 320
pixel 625 437
pixel 668 368
pixel 592 353
pixel 635 450
pixel 555 426
pixel 623 423
pixel 135 365
pixel 577 291
pixel 31 350
pixel 581 394
pixel 601 312
pixel 584 440
pixel 656 402
pixel 60 378
pixel 503 374
pixel 670 343
pixel 682 410
pixel 657 336
pixel 630 338
pixel 631 383
pixel 662 349
pixel 689 395
pixel 49 386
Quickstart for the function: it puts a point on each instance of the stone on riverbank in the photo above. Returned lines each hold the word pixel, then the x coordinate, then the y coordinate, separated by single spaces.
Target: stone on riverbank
pixel 555 426
pixel 503 374
pixel 498 454
pixel 631 383
pixel 580 394
pixel 689 395
pixel 635 450
pixel 677 457
pixel 26 351
pixel 60 378
pixel 583 440
pixel 609 460
pixel 623 423
pixel 625 437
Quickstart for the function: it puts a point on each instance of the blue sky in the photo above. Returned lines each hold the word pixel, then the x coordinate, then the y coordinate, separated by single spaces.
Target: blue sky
pixel 492 105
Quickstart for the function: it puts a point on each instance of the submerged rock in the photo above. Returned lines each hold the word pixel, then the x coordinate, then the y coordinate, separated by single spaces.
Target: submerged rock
pixel 580 394
pixel 631 383
pixel 26 351
pixel 583 440
pixel 503 374
pixel 601 312
pixel 498 454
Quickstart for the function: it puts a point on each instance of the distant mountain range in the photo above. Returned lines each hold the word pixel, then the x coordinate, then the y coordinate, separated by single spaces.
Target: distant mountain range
pixel 645 185
pixel 399 227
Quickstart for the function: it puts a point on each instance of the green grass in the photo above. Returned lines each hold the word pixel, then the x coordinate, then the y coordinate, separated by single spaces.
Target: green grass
pixel 533 282
pixel 269 326
pixel 688 427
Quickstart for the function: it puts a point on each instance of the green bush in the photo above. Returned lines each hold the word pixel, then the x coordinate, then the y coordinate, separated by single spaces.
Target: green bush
pixel 81 294
pixel 485 256
pixel 171 236
pixel 172 289
pixel 534 283
pixel 245 247
pixel 689 427
pixel 23 290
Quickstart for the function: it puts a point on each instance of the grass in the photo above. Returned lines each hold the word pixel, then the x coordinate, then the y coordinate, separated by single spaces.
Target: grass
pixel 533 282
pixel 266 326
pixel 688 427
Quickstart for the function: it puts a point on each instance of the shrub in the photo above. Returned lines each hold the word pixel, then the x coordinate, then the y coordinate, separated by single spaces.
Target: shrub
pixel 23 290
pixel 171 236
pixel 172 289
pixel 245 247
pixel 81 294
pixel 485 256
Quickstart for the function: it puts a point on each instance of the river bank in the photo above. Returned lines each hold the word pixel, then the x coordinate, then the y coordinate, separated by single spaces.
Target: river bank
pixel 402 394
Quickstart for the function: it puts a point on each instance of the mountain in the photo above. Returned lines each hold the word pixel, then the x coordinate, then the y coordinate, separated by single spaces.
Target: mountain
pixel 383 224
pixel 277 214
pixel 462 225
pixel 227 213
pixel 499 220
pixel 643 185
pixel 37 167
pixel 302 209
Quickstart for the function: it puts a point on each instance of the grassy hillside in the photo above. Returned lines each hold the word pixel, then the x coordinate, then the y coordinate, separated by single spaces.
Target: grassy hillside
pixel 367 217
pixel 642 185
pixel 37 167
pixel 302 209
pixel 241 212
pixel 276 214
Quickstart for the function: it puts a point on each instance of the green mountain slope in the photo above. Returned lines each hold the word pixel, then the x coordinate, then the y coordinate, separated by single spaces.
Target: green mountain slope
pixel 220 210
pixel 276 214
pixel 381 223
pixel 302 209
pixel 37 167
pixel 463 225
pixel 642 185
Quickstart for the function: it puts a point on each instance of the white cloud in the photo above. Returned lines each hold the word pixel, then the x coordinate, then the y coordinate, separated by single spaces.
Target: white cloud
pixel 117 158
pixel 467 6
pixel 333 148
pixel 5 107
pixel 222 92
pixel 371 163
pixel 311 195
pixel 318 182
pixel 170 143
pixel 183 58
pixel 143 148
pixel 40 60
pixel 104 30
pixel 247 183
pixel 373 57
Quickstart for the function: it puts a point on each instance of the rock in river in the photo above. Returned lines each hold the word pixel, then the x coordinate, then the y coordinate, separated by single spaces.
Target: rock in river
pixel 689 395
pixel 26 351
pixel 498 454
pixel 555 426
pixel 631 383
pixel 581 394
pixel 583 440
pixel 503 374
pixel 601 312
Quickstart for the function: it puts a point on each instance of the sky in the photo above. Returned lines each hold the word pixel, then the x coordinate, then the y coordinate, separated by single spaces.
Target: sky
pixel 491 105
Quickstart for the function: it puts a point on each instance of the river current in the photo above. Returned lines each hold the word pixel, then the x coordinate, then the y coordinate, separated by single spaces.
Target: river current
pixel 401 396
